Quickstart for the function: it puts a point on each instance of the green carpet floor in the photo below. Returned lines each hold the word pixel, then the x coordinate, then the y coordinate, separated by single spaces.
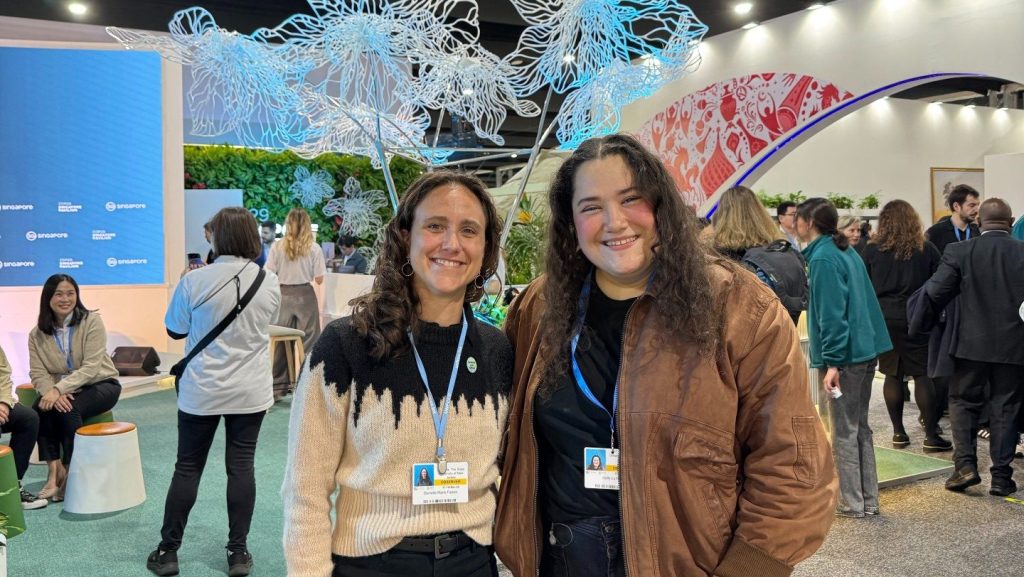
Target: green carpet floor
pixel 897 467
pixel 116 544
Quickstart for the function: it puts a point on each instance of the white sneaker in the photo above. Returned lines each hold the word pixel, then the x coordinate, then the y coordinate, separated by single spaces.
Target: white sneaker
pixel 30 501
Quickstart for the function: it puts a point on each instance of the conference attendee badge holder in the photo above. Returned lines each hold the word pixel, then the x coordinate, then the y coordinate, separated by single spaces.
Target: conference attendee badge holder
pixel 601 468
pixel 441 482
pixel 430 486
pixel 600 465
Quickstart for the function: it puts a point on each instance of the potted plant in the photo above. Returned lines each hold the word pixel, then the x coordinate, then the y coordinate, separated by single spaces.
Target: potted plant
pixel 769 200
pixel 868 205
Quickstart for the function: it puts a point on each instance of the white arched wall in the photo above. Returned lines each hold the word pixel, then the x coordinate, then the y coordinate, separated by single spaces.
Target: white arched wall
pixel 863 46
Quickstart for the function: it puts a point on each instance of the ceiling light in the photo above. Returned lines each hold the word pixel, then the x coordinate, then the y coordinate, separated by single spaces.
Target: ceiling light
pixel 750 25
pixel 1004 108
pixel 645 56
pixel 514 155
pixel 77 8
pixel 743 8
pixel 934 104
pixel 568 58
pixel 467 92
pixel 971 106
pixel 816 5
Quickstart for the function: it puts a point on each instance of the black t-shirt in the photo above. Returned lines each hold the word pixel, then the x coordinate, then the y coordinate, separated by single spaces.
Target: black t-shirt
pixel 566 422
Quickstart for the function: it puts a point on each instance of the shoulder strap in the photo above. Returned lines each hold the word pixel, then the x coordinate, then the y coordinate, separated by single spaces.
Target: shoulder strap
pixel 217 330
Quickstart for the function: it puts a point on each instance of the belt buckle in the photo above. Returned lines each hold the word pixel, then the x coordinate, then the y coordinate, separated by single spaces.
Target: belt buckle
pixel 438 554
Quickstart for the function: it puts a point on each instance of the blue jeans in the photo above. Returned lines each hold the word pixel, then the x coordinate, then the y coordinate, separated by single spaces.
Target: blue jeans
pixel 591 547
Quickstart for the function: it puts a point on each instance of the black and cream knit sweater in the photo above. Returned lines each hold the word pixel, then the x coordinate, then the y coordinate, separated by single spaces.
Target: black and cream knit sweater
pixel 358 427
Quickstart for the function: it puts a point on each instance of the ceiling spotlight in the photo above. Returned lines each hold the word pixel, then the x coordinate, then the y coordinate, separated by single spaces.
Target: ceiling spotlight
pixel 1004 108
pixel 77 8
pixel 743 8
pixel 568 58
pixel 467 92
pixel 816 5
pixel 515 155
pixel 751 25
pixel 934 104
pixel 970 106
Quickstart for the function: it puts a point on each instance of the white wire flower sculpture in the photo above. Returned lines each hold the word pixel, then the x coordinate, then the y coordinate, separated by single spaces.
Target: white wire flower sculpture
pixel 359 209
pixel 310 189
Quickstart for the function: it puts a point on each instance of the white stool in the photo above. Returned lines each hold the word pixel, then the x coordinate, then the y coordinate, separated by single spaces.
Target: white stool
pixel 105 474
pixel 293 349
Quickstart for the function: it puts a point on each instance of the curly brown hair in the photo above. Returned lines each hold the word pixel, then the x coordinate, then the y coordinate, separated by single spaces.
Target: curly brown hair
pixel 383 315
pixel 686 305
pixel 899 230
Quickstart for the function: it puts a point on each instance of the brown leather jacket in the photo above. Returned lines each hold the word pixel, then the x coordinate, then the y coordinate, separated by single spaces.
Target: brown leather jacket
pixel 725 467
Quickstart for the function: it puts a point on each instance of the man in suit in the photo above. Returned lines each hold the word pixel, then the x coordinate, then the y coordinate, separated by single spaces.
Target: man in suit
pixel 351 259
pixel 988 274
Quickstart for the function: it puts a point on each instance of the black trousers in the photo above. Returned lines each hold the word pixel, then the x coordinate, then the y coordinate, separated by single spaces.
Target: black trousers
pixel 23 425
pixel 969 396
pixel 57 429
pixel 473 561
pixel 195 436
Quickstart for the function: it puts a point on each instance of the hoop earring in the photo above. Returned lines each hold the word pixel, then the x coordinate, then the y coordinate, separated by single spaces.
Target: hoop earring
pixel 402 269
pixel 479 282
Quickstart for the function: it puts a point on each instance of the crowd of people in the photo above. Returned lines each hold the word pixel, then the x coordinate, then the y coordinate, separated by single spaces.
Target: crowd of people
pixel 645 408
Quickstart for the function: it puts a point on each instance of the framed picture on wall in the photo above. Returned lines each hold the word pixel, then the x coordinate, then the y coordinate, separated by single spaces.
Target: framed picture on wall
pixel 943 181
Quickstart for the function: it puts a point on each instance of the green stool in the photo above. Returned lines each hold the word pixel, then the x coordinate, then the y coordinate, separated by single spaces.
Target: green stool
pixel 12 516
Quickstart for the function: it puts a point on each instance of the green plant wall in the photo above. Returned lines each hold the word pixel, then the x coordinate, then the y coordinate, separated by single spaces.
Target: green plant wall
pixel 266 176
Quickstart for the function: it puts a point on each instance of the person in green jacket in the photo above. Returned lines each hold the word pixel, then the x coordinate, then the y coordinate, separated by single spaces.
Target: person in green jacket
pixel 847 332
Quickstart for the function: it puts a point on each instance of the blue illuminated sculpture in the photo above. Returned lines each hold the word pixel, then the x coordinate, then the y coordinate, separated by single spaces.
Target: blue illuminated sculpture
pixel 310 189
pixel 362 76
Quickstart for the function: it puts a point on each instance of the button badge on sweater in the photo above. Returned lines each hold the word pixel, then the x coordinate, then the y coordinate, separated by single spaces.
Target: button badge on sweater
pixel 432 487
pixel 601 468
pixel 471 365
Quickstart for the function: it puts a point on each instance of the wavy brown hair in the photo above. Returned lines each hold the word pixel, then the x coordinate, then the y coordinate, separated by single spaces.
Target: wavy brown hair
pixel 899 230
pixel 383 315
pixel 686 306
pixel 298 235
pixel 741 221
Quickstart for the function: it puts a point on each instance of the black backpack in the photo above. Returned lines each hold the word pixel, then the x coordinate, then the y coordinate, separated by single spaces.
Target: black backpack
pixel 782 268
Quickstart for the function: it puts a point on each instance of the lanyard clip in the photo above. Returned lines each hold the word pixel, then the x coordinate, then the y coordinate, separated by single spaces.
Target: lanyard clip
pixel 442 462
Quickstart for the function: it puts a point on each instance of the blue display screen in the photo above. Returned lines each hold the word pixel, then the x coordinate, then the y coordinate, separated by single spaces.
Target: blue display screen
pixel 81 167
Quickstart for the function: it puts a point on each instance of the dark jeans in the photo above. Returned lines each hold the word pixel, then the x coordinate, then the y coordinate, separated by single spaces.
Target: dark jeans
pixel 57 429
pixel 23 425
pixel 195 436
pixel 969 396
pixel 591 547
pixel 473 561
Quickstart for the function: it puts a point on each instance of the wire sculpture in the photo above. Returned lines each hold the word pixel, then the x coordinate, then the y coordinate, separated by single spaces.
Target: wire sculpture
pixel 359 209
pixel 310 189
pixel 362 76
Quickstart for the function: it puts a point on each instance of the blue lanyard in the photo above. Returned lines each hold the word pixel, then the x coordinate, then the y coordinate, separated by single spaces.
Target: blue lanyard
pixel 581 382
pixel 70 331
pixel 956 231
pixel 441 416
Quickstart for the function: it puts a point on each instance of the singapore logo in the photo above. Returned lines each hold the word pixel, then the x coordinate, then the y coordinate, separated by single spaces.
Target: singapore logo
pixel 111 262
pixel 30 235
pixel 33 235
pixel 110 206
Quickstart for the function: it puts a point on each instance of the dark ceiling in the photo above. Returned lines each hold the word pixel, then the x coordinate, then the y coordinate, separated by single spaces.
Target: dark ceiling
pixel 500 28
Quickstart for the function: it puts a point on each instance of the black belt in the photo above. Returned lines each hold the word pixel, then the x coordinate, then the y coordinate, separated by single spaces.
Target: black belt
pixel 440 545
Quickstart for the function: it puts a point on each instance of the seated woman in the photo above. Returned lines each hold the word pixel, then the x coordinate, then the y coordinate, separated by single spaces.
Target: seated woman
pixel 23 425
pixel 71 371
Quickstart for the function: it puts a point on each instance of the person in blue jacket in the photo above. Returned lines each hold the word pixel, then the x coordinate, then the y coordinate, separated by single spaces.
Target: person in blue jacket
pixel 847 332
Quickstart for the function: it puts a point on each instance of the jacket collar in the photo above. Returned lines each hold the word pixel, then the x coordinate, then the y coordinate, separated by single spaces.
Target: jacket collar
pixel 816 244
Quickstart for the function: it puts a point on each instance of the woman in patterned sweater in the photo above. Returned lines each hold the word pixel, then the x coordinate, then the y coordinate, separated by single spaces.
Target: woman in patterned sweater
pixel 371 410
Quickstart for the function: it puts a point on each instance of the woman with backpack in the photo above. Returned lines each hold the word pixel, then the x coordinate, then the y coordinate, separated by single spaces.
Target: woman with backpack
pixel 745 233
pixel 899 261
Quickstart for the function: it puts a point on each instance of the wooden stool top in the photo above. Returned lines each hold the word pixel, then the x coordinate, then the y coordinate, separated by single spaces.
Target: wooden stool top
pixel 25 386
pixel 106 429
pixel 5 450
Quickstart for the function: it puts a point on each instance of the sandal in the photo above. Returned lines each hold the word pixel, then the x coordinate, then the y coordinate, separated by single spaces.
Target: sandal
pixel 47 492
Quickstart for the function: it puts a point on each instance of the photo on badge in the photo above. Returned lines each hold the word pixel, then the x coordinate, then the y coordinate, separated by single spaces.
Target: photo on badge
pixel 423 476
pixel 595 459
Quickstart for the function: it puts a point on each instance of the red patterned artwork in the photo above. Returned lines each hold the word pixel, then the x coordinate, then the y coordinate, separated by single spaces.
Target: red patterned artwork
pixel 705 137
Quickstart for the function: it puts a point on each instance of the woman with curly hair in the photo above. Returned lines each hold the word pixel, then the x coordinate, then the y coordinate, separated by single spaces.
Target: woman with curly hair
pixel 681 368
pixel 365 424
pixel 899 260
pixel 298 262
